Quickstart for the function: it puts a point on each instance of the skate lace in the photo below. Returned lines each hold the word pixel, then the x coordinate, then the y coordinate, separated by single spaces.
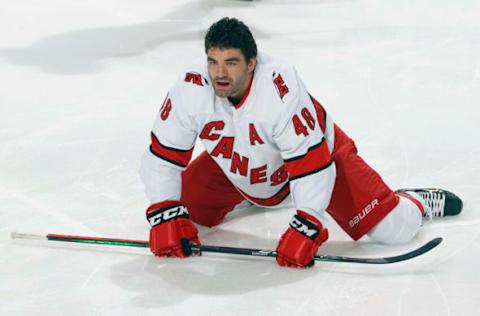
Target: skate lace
pixel 434 202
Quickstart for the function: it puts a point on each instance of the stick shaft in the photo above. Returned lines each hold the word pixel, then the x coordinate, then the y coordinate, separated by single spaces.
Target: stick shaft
pixel 234 251
pixel 85 239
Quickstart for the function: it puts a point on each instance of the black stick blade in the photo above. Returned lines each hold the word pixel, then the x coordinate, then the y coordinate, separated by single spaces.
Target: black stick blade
pixel 409 255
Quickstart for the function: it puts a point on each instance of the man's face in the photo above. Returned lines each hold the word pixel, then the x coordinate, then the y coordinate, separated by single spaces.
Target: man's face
pixel 229 71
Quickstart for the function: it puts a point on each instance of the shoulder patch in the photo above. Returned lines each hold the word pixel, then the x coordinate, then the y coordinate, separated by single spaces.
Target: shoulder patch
pixel 195 78
pixel 282 88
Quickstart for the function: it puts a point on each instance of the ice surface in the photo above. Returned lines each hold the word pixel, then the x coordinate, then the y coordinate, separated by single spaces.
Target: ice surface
pixel 80 83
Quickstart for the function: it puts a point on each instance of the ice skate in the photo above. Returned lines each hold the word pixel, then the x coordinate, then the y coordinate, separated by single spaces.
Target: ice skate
pixel 436 202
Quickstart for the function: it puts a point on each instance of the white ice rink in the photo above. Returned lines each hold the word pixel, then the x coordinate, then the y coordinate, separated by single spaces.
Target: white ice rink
pixel 80 85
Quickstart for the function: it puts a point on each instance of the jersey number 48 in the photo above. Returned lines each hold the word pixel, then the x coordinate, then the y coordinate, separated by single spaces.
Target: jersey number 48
pixel 298 124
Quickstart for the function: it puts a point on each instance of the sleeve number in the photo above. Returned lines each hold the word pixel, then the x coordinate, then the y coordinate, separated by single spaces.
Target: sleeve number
pixel 301 126
pixel 165 109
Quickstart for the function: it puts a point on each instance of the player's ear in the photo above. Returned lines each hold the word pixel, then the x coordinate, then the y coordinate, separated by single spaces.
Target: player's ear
pixel 252 63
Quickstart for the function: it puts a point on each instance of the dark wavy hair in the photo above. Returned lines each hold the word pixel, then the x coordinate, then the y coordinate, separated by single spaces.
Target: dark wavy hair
pixel 231 33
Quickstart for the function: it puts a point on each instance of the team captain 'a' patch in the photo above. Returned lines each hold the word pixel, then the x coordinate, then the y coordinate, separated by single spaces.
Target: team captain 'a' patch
pixel 254 137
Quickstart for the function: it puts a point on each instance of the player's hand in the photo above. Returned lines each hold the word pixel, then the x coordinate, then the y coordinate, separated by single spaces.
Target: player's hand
pixel 300 242
pixel 170 223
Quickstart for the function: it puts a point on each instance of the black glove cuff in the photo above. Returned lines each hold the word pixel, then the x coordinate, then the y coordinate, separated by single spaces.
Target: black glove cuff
pixel 166 214
pixel 304 227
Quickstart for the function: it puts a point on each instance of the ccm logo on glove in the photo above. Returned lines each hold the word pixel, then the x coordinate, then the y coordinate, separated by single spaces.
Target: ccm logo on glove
pixel 300 242
pixel 170 224
pixel 160 216
pixel 304 226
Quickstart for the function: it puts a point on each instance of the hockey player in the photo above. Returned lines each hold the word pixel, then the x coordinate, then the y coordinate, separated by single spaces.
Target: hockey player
pixel 267 141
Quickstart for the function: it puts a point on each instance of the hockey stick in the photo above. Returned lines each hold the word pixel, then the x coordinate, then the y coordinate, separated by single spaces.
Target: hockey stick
pixel 270 253
pixel 190 248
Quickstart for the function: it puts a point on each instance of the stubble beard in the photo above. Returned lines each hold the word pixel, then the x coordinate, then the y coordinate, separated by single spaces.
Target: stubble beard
pixel 223 93
pixel 235 86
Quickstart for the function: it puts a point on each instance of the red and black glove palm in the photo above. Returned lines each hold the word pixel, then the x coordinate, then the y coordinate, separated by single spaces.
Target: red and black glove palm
pixel 170 224
pixel 300 242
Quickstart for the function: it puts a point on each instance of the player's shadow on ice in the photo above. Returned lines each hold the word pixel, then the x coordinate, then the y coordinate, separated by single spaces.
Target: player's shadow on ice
pixel 86 51
pixel 161 282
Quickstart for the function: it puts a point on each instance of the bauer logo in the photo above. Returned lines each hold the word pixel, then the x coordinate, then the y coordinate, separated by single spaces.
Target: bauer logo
pixel 360 216
pixel 167 215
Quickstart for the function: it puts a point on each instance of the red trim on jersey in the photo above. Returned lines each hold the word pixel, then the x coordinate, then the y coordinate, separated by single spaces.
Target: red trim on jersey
pixel 179 157
pixel 271 201
pixel 242 101
pixel 321 113
pixel 317 158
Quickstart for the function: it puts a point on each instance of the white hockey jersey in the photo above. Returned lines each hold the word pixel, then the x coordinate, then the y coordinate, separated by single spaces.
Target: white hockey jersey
pixel 275 143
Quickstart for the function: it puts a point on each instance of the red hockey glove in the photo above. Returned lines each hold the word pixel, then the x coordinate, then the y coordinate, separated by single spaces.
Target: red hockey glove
pixel 300 242
pixel 170 223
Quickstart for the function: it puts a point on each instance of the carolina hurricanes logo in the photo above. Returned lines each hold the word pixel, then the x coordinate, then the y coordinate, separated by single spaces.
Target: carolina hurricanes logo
pixel 194 78
pixel 281 86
